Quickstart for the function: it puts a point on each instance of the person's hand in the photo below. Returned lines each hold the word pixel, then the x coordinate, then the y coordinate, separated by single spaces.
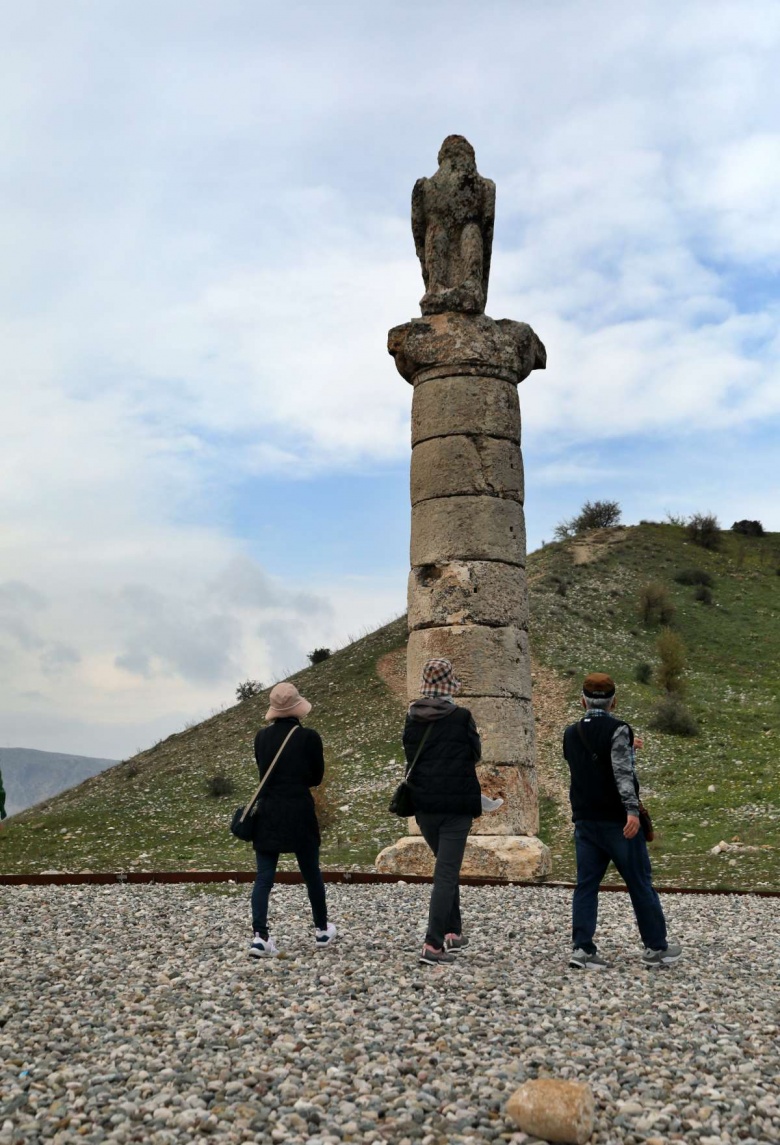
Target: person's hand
pixel 631 827
pixel 638 741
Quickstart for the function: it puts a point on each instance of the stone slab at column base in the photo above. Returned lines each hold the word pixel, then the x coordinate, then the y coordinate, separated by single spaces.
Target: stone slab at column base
pixel 521 858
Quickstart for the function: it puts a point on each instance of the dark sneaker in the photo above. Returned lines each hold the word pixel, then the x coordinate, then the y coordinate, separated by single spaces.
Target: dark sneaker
pixel 262 948
pixel 454 943
pixel 432 957
pixel 668 957
pixel 581 960
pixel 326 936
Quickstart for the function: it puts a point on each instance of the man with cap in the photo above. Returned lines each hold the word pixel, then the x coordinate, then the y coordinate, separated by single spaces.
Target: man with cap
pixel 604 794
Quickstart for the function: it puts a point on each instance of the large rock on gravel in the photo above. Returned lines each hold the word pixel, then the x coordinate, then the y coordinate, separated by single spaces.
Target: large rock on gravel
pixel 559 1111
pixel 519 858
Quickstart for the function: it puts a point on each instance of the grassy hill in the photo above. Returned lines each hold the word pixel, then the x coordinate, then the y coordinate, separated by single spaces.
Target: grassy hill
pixel 30 776
pixel 155 811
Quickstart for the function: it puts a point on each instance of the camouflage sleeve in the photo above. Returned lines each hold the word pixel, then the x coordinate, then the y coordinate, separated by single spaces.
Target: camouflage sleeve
pixel 623 770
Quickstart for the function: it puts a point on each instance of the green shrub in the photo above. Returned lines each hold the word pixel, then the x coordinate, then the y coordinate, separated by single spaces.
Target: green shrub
pixel 643 673
pixel 592 515
pixel 672 717
pixel 671 653
pixel 748 528
pixel 655 604
pixel 318 655
pixel 704 529
pixel 703 594
pixel 695 576
pixel 248 689
pixel 220 784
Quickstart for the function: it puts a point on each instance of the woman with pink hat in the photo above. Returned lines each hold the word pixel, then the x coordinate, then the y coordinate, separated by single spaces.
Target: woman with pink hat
pixel 285 819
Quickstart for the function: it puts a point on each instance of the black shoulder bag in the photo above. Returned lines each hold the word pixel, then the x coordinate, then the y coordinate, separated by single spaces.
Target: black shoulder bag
pixel 242 824
pixel 402 803
pixel 645 822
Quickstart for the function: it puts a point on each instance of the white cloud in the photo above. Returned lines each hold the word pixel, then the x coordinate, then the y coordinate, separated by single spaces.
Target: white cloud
pixel 205 235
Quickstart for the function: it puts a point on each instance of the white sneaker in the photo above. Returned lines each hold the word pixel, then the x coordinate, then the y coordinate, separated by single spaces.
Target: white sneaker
pixel 489 804
pixel 263 948
pixel 326 936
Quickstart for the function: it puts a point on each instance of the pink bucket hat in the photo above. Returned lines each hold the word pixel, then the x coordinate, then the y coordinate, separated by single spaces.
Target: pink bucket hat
pixel 438 679
pixel 285 701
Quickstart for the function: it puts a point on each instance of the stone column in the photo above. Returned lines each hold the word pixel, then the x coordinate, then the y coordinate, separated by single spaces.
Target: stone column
pixel 467 598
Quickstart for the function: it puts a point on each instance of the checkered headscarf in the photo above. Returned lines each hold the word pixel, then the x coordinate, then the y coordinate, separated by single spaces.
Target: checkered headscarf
pixel 438 679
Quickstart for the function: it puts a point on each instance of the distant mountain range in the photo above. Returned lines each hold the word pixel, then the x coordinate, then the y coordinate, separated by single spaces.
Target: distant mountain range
pixel 30 776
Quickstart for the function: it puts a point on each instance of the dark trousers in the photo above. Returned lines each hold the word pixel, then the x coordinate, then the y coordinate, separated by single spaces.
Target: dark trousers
pixel 597 843
pixel 446 835
pixel 308 859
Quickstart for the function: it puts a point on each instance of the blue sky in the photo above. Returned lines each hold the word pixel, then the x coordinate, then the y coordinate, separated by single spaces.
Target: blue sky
pixel 205 235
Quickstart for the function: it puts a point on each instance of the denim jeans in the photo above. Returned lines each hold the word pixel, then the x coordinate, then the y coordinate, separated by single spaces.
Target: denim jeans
pixel 308 859
pixel 597 843
pixel 446 835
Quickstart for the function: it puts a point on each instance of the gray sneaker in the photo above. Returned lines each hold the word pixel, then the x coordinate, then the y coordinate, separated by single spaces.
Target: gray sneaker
pixel 432 957
pixel 581 960
pixel 454 943
pixel 668 957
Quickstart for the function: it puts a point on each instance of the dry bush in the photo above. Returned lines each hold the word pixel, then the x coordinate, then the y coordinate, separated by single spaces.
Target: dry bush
pixel 671 653
pixel 704 529
pixel 695 576
pixel 643 673
pixel 219 785
pixel 703 594
pixel 672 716
pixel 655 604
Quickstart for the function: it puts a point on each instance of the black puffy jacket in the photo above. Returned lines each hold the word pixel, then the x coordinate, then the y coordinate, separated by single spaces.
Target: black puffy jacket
pixel 285 819
pixel 444 779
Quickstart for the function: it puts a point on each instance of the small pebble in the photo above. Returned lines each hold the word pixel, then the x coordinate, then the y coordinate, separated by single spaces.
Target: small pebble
pixel 132 1013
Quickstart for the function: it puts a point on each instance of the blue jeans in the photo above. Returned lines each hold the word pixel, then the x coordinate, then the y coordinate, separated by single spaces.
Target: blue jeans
pixel 597 843
pixel 308 859
pixel 446 835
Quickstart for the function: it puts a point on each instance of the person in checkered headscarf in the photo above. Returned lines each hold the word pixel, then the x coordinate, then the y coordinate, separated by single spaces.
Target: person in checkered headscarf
pixel 442 749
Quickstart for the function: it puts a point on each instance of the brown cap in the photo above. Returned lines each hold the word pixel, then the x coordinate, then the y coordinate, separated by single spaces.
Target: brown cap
pixel 598 686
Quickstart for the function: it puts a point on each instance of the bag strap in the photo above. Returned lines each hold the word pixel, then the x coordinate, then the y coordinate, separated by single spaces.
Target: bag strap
pixel 593 754
pixel 426 733
pixel 256 795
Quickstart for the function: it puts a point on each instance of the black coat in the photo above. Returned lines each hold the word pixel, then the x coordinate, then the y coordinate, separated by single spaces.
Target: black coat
pixel 285 819
pixel 444 779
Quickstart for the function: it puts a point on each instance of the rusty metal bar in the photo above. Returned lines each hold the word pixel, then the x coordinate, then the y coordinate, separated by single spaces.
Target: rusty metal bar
pixel 356 877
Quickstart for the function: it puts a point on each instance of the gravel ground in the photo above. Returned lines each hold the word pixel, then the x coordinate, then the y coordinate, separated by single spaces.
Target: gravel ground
pixel 131 1013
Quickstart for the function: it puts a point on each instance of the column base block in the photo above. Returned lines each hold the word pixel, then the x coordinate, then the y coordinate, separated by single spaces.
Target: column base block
pixel 523 858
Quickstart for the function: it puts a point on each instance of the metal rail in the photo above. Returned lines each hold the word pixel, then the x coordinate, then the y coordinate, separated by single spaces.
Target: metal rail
pixel 83 878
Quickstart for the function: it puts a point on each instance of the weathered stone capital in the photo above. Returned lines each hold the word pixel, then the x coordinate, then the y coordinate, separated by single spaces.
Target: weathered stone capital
pixel 446 345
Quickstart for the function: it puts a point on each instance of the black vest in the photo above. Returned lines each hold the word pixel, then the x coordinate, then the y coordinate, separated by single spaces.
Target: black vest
pixel 593 791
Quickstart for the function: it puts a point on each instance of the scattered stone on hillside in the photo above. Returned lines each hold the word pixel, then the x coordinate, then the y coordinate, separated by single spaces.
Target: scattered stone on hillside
pixel 555 1110
pixel 467 587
